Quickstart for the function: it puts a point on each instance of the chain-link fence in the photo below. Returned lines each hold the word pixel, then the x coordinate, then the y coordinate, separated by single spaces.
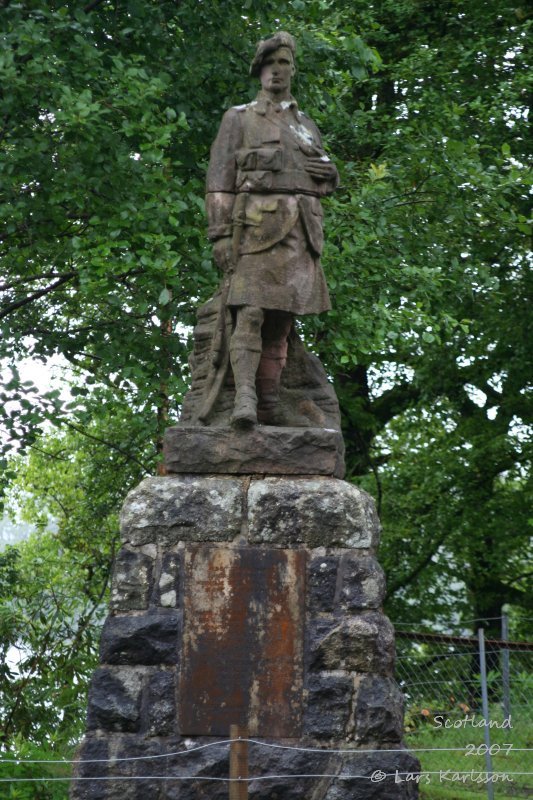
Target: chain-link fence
pixel 469 703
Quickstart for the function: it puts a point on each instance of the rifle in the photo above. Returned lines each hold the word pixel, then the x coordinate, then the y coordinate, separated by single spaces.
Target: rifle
pixel 219 356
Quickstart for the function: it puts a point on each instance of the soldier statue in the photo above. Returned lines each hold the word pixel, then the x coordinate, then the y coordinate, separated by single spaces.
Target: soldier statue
pixel 267 173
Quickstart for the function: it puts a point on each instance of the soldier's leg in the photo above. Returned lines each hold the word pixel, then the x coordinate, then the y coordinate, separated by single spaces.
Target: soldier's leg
pixel 275 333
pixel 245 355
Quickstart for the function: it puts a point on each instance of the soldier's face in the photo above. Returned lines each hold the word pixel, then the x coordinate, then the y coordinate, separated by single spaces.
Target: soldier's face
pixel 277 70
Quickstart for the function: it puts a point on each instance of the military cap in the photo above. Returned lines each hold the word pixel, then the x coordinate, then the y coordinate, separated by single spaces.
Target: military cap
pixel 266 46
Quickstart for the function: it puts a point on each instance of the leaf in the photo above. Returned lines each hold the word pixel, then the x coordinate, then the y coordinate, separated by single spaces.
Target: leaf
pixel 377 172
pixel 164 297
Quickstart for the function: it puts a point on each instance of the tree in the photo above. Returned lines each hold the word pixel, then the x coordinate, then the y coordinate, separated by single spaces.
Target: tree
pixel 446 120
pixel 54 586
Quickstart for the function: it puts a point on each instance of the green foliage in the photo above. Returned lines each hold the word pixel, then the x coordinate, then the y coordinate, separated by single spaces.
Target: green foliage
pixel 54 586
pixel 455 508
pixel 101 213
pixel 38 785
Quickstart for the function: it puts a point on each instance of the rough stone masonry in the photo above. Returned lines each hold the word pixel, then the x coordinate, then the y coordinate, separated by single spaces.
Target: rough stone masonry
pixel 186 650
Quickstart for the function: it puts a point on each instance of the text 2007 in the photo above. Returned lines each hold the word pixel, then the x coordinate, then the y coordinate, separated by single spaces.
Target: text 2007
pixel 482 749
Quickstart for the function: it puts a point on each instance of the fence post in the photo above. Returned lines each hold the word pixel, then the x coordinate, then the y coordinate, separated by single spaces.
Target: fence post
pixel 485 703
pixel 506 667
pixel 238 763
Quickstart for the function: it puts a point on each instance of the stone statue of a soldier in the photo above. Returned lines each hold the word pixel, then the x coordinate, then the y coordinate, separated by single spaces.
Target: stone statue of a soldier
pixel 267 173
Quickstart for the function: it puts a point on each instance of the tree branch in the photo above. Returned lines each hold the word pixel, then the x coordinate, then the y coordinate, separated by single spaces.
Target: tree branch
pixel 90 6
pixel 54 456
pixel 413 202
pixel 48 493
pixel 86 618
pixel 406 580
pixel 416 190
pixel 235 52
pixel 31 278
pixel 35 296
pixel 118 449
pixel 19 691
pixel 513 595
pixel 394 401
pixel 523 575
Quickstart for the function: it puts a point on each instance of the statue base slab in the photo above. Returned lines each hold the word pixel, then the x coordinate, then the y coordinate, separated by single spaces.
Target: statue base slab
pixel 263 450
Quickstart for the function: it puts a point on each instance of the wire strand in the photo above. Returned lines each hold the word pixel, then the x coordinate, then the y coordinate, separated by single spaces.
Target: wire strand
pixel 336 776
pixel 272 745
pixel 108 760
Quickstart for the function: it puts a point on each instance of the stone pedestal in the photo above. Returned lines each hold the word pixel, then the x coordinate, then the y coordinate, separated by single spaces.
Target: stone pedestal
pixel 241 599
pixel 262 450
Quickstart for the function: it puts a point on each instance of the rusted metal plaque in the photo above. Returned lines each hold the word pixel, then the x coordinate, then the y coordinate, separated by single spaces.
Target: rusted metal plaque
pixel 242 641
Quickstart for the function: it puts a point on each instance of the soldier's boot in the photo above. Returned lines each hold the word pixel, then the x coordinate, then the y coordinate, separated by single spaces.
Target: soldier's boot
pixel 245 407
pixel 270 411
pixel 245 355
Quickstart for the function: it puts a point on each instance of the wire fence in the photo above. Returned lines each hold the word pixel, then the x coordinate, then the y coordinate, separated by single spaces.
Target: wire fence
pixel 346 771
pixel 474 695
pixel 469 721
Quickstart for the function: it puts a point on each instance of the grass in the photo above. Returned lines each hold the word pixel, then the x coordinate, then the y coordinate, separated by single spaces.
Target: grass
pixel 518 759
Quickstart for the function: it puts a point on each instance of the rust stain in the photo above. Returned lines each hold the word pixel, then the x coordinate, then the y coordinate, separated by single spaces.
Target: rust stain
pixel 242 641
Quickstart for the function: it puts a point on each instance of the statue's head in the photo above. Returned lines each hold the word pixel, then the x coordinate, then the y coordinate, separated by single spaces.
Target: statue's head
pixel 267 46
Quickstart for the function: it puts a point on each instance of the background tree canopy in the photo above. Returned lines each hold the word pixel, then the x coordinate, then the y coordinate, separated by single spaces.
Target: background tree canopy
pixel 107 114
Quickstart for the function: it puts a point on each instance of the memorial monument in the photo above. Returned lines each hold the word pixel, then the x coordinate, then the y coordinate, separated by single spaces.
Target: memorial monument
pixel 247 591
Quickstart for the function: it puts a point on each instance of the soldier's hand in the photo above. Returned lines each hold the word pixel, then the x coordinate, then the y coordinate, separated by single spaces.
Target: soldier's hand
pixel 222 253
pixel 320 169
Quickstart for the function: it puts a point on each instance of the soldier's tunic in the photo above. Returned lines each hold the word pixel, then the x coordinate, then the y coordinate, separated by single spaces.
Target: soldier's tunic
pixel 259 156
